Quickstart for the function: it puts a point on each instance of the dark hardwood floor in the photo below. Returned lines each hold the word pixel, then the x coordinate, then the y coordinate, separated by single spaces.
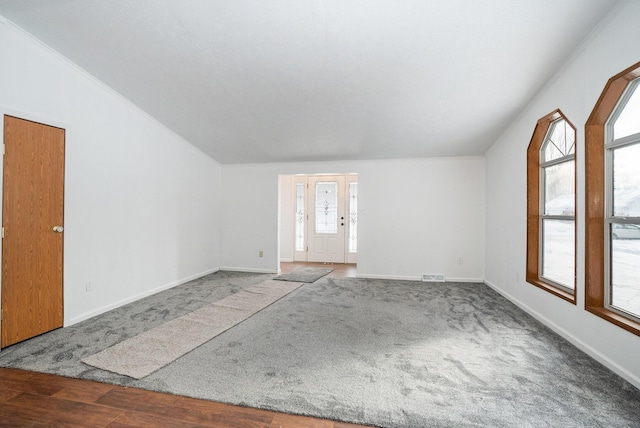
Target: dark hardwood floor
pixel 339 269
pixel 29 399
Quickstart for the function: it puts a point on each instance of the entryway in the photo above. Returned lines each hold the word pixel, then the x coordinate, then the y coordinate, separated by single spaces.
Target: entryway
pixel 319 218
pixel 32 226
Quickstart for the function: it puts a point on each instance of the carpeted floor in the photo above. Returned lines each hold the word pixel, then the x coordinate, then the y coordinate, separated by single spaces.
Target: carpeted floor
pixel 387 353
pixel 153 349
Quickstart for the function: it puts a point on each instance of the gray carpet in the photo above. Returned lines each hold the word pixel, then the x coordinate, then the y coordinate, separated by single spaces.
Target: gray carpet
pixel 305 274
pixel 153 349
pixel 387 353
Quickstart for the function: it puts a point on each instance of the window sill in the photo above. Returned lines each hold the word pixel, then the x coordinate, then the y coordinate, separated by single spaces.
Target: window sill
pixel 563 294
pixel 615 318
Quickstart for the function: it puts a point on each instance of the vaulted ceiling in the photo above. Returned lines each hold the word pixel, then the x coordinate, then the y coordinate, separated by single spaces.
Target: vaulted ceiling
pixel 301 80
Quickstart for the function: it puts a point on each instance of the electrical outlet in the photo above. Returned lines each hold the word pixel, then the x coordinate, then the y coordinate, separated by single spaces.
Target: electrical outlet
pixel 89 286
pixel 260 254
pixel 460 260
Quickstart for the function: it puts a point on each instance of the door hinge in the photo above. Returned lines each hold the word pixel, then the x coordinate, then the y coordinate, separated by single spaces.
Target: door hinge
pixel 3 149
pixel 307 248
pixel 3 233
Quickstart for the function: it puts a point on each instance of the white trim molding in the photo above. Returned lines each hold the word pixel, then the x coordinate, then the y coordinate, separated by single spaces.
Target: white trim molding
pixel 248 270
pixel 415 278
pixel 593 353
pixel 131 299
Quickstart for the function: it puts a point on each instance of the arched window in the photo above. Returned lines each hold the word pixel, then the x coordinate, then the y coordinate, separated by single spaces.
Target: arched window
pixel 613 202
pixel 551 222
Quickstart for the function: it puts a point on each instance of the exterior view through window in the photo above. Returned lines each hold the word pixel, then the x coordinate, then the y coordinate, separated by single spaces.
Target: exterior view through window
pixel 612 202
pixel 622 195
pixel 557 190
pixel 551 206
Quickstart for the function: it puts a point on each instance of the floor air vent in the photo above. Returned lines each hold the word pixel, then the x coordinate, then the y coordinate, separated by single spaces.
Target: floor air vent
pixel 432 277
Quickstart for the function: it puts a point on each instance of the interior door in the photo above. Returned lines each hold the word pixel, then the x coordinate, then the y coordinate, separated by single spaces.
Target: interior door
pixel 32 217
pixel 327 221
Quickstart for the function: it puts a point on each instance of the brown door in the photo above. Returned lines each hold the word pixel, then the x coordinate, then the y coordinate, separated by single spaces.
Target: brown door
pixel 32 214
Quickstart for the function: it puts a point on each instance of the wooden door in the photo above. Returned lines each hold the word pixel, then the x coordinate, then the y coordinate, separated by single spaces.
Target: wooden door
pixel 326 219
pixel 32 217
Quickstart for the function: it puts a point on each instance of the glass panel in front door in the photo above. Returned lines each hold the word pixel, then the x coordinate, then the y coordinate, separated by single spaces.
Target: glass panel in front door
pixel 326 207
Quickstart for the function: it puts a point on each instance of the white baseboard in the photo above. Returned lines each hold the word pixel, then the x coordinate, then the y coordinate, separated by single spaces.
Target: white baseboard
pixel 393 277
pixel 593 353
pixel 286 260
pixel 248 270
pixel 414 278
pixel 480 280
pixel 131 299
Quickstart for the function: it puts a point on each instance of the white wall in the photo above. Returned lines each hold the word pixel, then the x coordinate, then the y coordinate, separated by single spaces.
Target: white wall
pixel 141 204
pixel 574 90
pixel 415 216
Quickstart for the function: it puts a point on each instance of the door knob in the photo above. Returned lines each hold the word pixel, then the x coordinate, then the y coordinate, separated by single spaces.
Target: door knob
pixel 58 229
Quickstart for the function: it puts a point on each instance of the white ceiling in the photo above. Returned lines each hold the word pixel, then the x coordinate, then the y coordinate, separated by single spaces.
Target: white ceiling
pixel 295 80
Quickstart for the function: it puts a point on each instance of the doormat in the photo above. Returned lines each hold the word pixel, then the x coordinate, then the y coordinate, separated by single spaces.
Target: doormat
pixel 305 274
pixel 147 352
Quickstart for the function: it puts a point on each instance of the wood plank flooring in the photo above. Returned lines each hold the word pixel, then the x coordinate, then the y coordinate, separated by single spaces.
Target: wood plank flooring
pixel 339 269
pixel 29 399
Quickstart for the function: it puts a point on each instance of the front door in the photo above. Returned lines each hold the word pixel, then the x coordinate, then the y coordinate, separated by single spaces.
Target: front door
pixel 327 219
pixel 32 220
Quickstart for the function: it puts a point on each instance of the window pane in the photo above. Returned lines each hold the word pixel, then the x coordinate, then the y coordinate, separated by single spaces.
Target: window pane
pixel 353 217
pixel 327 207
pixel 625 267
pixel 626 181
pixel 559 141
pixel 300 216
pixel 559 189
pixel 558 251
pixel 628 123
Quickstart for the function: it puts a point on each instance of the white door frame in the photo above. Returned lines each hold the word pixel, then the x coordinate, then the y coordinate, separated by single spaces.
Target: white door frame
pixel 303 196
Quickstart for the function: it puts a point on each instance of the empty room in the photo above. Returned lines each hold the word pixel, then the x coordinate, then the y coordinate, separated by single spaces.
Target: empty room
pixel 320 213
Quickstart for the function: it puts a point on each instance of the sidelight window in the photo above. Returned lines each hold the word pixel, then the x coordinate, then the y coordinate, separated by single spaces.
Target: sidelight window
pixel 300 216
pixel 353 217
